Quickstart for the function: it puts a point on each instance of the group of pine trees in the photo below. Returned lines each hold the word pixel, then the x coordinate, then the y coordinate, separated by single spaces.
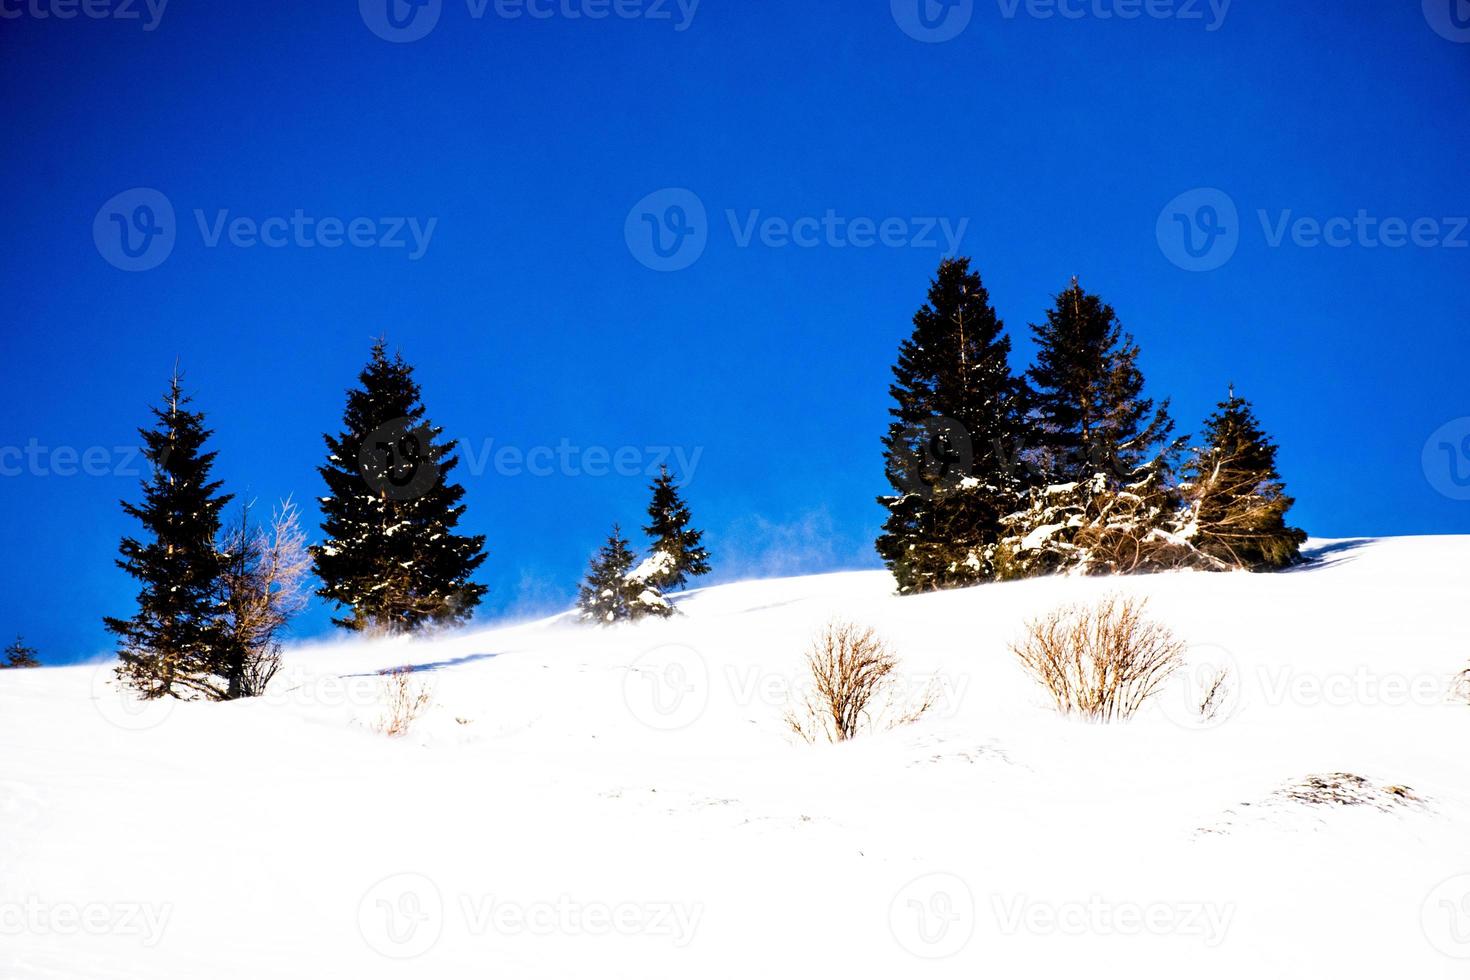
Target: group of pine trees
pixel 998 475
pixel 214 599
pixel 617 591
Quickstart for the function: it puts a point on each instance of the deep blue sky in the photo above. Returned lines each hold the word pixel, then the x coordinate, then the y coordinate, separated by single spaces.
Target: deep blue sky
pixel 531 321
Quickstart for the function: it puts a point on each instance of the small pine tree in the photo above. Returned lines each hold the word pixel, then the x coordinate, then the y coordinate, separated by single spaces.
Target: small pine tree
pixel 615 591
pixel 1237 495
pixel 953 450
pixel 391 556
pixel 1088 396
pixel 175 644
pixel 676 546
pixel 20 655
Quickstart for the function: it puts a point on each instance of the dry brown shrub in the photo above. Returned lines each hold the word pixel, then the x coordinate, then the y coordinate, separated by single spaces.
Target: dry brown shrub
pixel 855 687
pixel 405 700
pixel 1101 661
pixel 1216 694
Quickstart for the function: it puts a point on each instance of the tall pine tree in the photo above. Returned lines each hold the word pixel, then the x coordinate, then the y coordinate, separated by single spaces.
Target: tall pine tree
pixel 391 556
pixel 1239 499
pixel 1088 393
pixel 953 450
pixel 175 644
pixel 677 548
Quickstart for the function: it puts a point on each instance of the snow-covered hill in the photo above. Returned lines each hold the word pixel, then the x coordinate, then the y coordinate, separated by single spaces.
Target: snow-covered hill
pixel 627 803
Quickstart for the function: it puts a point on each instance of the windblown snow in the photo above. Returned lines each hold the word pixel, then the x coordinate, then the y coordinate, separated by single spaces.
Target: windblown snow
pixel 628 802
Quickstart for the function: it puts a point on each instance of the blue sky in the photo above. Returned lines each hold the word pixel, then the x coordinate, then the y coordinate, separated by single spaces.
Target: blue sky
pixel 526 150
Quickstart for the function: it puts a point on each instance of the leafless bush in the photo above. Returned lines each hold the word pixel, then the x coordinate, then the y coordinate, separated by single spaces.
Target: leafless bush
pixel 1216 694
pixel 1103 661
pixel 405 700
pixel 855 687
pixel 265 584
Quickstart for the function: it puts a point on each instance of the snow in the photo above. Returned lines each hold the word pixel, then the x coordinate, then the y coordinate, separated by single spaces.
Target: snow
pixel 626 802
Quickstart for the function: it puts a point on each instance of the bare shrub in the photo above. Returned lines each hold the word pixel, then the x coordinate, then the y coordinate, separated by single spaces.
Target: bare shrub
pixel 1216 694
pixel 855 687
pixel 405 700
pixel 1102 661
pixel 264 580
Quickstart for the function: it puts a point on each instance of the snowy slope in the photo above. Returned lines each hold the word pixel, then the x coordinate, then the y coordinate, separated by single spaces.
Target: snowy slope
pixel 627 803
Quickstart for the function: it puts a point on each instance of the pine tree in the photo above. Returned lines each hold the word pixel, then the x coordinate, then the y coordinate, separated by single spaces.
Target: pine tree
pixel 175 644
pixel 1089 396
pixel 20 655
pixel 391 556
pixel 677 548
pixel 615 591
pixel 1239 500
pixel 953 452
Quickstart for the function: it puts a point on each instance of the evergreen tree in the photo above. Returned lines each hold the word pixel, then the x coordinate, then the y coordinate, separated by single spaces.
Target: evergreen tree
pixel 391 556
pixel 1239 500
pixel 615 591
pixel 20 655
pixel 175 644
pixel 677 550
pixel 953 451
pixel 1089 399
